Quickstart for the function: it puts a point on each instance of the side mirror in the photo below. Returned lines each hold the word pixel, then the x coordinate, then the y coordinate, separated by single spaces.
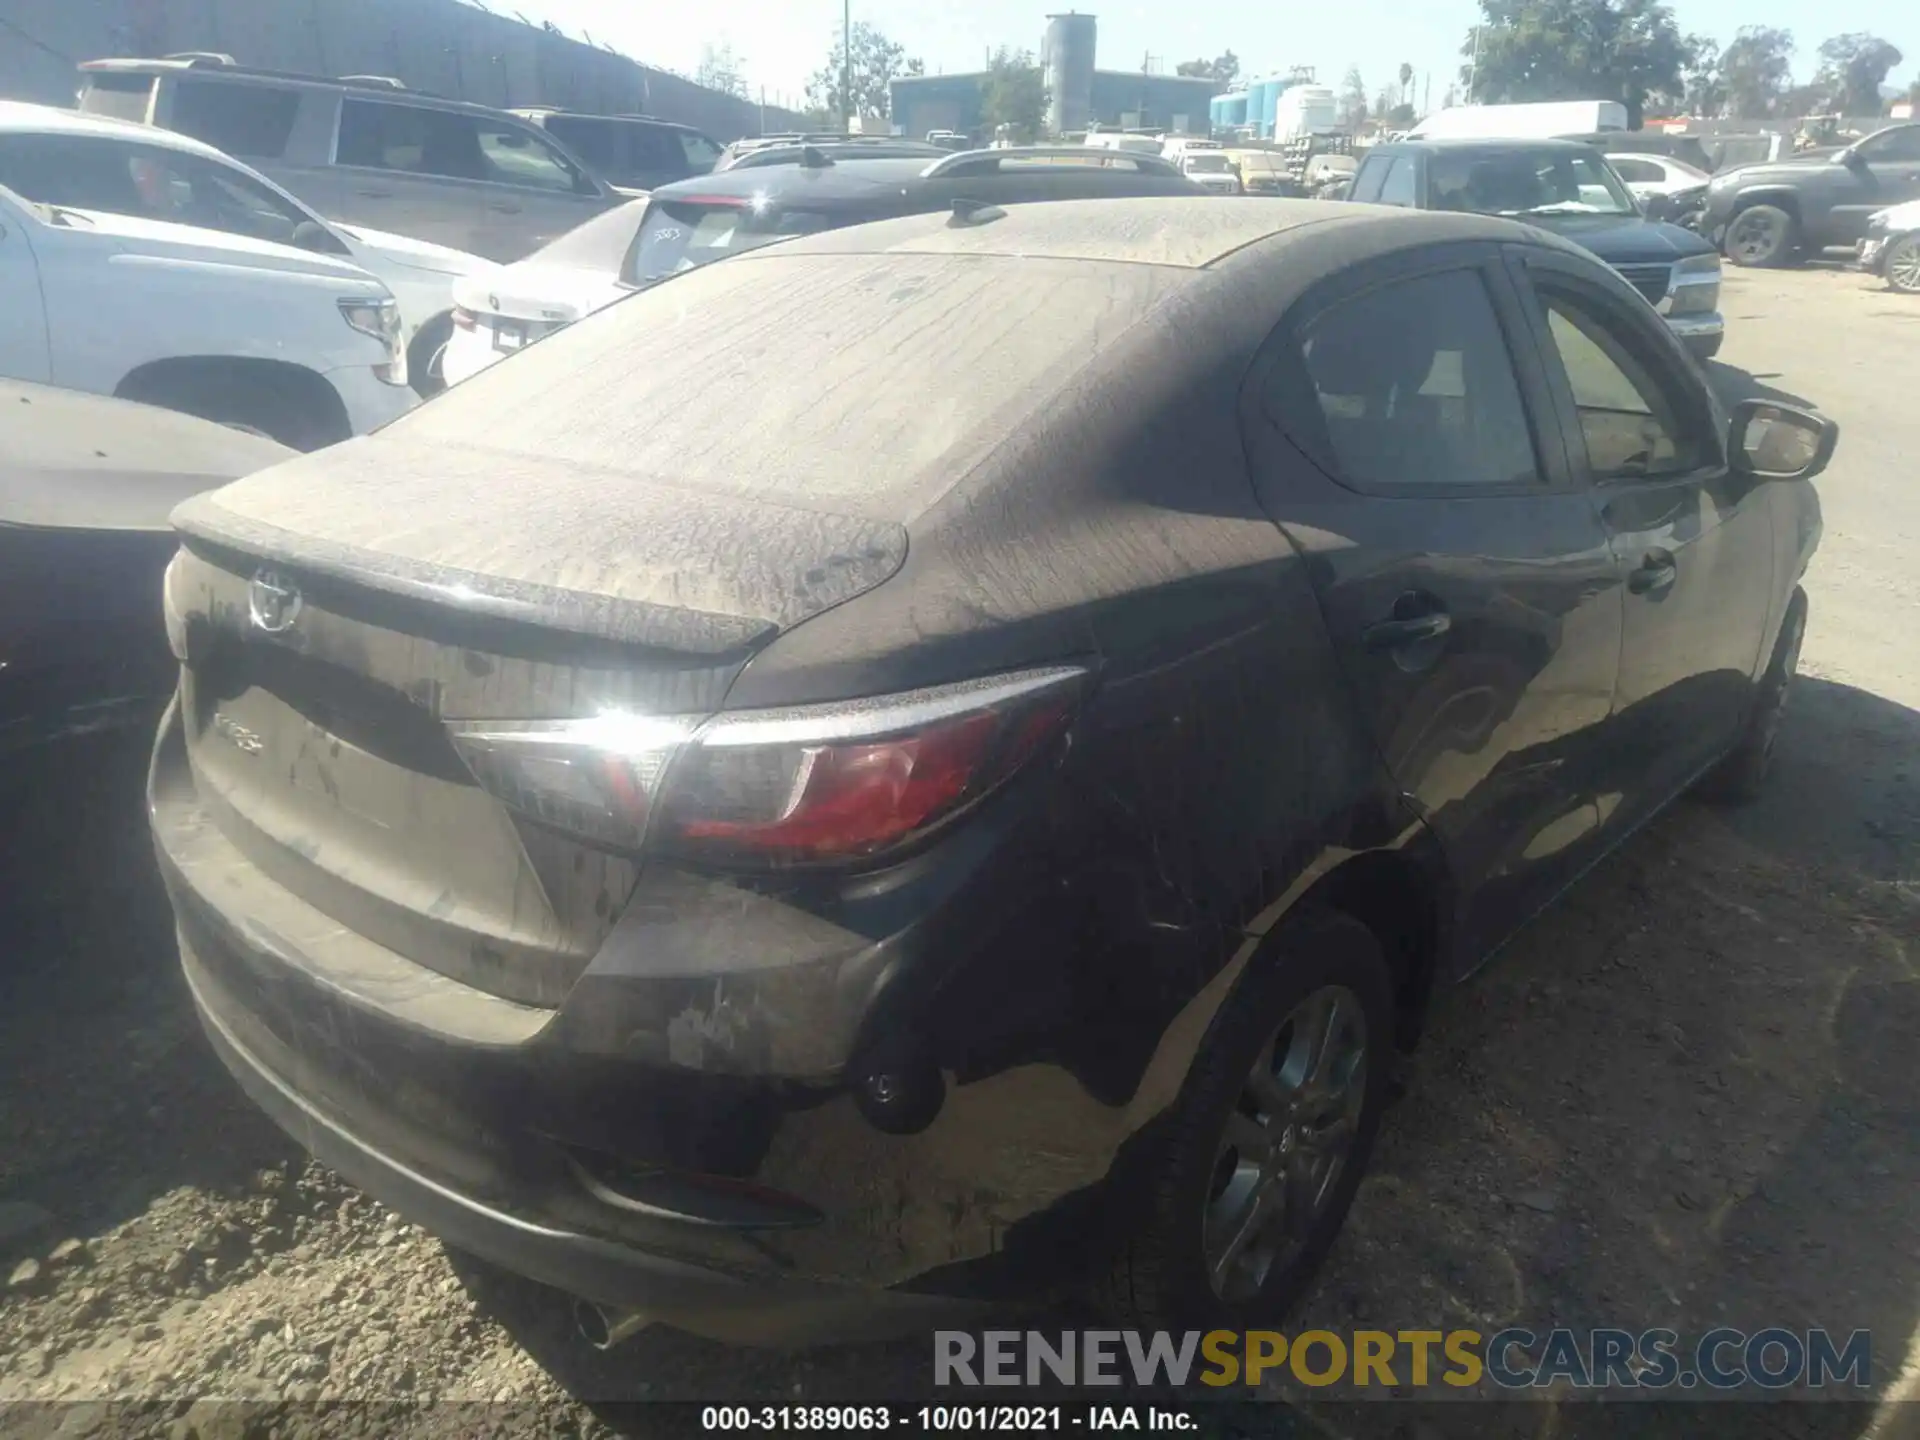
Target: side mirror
pixel 1853 159
pixel 1656 207
pixel 309 236
pixel 1780 442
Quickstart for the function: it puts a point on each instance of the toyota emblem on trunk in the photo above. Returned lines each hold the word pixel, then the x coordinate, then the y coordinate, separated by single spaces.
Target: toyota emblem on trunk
pixel 273 602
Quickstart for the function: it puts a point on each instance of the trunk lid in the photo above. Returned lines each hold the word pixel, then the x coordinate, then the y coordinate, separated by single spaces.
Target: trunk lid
pixel 337 611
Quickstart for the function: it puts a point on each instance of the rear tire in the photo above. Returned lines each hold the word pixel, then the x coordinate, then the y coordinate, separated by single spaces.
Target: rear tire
pixel 1762 237
pixel 1255 1134
pixel 1742 776
pixel 1902 265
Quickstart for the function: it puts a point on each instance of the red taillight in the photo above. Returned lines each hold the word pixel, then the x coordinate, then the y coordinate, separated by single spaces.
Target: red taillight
pixel 818 784
pixel 463 319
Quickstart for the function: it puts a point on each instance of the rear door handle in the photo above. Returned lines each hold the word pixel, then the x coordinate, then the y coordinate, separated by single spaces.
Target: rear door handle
pixel 504 207
pixel 375 194
pixel 1655 576
pixel 1398 634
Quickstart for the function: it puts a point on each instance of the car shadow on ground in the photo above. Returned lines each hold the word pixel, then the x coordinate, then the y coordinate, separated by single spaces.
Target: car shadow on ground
pixel 1732 385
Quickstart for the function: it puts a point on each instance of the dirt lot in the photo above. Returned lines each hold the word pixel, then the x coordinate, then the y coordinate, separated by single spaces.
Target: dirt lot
pixel 1685 1097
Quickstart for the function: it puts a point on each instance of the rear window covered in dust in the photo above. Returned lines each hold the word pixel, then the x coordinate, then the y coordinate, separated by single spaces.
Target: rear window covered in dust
pixel 864 384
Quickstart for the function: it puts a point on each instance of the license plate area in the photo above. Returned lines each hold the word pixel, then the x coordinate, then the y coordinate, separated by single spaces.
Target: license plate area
pixel 509 335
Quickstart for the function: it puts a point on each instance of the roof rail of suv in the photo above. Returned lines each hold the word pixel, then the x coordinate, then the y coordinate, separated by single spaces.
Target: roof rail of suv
pixel 206 57
pixel 986 162
pixel 383 82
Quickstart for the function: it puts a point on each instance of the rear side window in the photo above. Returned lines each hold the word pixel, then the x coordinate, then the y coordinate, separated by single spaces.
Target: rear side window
pixel 1413 389
pixel 595 141
pixel 254 120
pixel 409 138
pixel 678 235
pixel 701 152
pixel 510 155
pixel 120 96
pixel 1637 171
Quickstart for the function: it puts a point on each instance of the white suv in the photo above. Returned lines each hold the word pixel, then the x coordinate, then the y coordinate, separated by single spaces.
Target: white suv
pixel 307 349
pixel 84 162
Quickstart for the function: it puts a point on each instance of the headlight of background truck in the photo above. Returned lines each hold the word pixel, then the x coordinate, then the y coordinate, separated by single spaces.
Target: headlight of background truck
pixel 381 320
pixel 1696 286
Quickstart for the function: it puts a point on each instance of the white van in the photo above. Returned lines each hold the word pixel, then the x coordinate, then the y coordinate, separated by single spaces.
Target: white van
pixel 1540 121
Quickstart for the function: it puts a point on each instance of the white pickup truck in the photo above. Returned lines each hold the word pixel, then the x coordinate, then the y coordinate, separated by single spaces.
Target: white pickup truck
pixel 303 348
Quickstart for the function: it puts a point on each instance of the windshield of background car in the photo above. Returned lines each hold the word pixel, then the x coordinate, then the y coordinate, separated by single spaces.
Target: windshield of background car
pixel 677 235
pixel 1525 182
pixel 1208 163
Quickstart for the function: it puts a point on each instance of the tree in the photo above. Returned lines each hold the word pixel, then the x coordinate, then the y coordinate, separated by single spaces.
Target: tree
pixel 1223 71
pixel 1406 79
pixel 1625 50
pixel 1852 68
pixel 1383 102
pixel 1705 87
pixel 720 70
pixel 1015 94
pixel 877 63
pixel 1353 98
pixel 1756 70
pixel 1401 115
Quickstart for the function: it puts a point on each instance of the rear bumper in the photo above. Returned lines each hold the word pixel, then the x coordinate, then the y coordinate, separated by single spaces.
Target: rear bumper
pixel 706 1301
pixel 468 353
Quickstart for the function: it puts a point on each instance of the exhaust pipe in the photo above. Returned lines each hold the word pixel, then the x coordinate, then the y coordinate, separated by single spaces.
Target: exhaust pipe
pixel 603 1328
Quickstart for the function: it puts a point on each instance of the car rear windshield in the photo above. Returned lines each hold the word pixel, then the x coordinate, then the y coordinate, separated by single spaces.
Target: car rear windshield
pixel 117 95
pixel 678 235
pixel 1210 163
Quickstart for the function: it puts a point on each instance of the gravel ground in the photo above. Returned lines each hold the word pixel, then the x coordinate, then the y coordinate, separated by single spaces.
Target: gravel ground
pixel 1685 1097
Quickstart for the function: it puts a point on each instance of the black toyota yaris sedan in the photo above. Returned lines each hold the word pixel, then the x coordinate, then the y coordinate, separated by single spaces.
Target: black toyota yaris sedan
pixel 948 757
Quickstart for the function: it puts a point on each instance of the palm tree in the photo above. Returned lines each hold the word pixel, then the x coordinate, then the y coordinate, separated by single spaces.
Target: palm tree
pixel 1406 79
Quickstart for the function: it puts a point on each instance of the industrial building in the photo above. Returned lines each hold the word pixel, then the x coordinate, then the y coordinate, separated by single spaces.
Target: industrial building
pixel 1079 95
pixel 1253 110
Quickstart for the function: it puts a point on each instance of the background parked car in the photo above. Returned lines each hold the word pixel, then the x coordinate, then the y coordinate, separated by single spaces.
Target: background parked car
pixel 698 221
pixel 85 162
pixel 86 486
pixel 633 152
pixel 367 152
pixel 1569 189
pixel 1211 171
pixel 1647 176
pixel 1773 214
pixel 693 811
pixel 305 348
pixel 1891 248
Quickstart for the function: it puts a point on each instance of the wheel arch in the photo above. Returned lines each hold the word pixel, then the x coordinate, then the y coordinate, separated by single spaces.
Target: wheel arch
pixel 162 381
pixel 1781 197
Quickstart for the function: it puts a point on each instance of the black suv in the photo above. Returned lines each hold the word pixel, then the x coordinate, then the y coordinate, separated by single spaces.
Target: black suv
pixel 1567 188
pixel 634 152
pixel 1771 214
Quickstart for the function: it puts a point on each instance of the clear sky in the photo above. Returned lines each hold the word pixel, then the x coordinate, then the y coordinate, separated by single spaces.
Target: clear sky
pixel 782 42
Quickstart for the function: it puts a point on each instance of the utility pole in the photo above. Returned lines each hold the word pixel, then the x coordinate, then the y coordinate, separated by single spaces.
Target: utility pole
pixel 846 63
pixel 1473 66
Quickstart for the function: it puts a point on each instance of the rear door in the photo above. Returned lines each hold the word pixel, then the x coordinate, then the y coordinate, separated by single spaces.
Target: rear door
pixel 1692 541
pixel 1401 436
pixel 531 191
pixel 413 170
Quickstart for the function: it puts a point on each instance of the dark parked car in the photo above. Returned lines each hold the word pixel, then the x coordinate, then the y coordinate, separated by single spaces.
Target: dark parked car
pixel 635 152
pixel 1773 214
pixel 718 817
pixel 1569 189
pixel 86 485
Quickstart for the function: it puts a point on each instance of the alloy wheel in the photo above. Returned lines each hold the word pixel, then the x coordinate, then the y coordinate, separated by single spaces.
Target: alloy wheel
pixel 1286 1141
pixel 1903 266
pixel 1755 237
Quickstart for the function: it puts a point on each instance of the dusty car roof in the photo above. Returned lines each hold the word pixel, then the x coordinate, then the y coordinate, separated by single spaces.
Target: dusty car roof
pixel 1190 232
